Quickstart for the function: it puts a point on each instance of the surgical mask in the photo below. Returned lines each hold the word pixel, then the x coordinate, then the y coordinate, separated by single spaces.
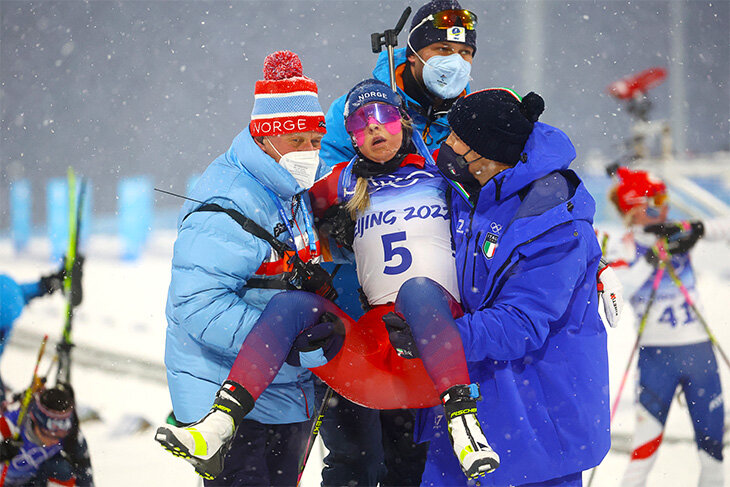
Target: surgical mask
pixel 454 166
pixel 446 76
pixel 302 165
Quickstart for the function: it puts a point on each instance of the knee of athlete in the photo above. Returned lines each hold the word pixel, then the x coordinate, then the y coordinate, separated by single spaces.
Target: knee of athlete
pixel 417 288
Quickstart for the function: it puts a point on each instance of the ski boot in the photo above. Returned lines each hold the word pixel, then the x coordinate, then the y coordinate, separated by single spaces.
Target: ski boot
pixel 205 443
pixel 470 446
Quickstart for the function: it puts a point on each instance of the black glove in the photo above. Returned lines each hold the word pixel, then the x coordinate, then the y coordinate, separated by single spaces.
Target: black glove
pixel 338 224
pixel 54 282
pixel 314 279
pixel 9 448
pixel 680 237
pixel 400 335
pixel 328 334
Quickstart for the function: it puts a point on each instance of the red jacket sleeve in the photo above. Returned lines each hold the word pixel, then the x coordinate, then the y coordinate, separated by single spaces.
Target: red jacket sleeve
pixel 323 194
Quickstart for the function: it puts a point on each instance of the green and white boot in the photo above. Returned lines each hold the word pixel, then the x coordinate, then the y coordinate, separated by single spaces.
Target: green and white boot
pixel 467 438
pixel 205 443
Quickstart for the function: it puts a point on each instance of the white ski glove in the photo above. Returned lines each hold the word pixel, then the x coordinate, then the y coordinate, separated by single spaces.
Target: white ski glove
pixel 611 292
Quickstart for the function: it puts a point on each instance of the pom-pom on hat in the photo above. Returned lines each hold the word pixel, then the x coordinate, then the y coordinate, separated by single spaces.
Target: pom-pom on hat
pixel 496 122
pixel 369 91
pixel 285 101
pixel 637 187
pixel 427 34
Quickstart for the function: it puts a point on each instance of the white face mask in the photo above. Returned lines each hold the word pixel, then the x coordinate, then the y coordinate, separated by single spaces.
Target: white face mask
pixel 302 165
pixel 444 76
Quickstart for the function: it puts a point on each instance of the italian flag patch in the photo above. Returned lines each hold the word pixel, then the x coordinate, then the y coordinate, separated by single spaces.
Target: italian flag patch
pixel 490 245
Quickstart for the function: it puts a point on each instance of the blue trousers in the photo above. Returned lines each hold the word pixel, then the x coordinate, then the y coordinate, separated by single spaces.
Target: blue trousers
pixel 694 367
pixel 264 455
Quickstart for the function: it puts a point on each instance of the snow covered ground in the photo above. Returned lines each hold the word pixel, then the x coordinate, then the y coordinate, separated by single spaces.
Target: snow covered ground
pixel 123 314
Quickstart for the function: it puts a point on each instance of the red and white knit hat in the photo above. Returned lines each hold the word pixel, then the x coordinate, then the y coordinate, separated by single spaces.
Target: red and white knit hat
pixel 285 101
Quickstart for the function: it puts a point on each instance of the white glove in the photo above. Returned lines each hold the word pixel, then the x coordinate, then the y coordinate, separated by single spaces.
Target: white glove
pixel 611 292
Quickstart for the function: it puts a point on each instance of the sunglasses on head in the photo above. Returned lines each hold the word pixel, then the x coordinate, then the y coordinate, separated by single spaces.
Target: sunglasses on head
pixel 375 113
pixel 450 18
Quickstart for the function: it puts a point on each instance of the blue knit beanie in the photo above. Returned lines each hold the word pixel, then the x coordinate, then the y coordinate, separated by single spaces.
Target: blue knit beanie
pixel 427 34
pixel 496 122
pixel 369 91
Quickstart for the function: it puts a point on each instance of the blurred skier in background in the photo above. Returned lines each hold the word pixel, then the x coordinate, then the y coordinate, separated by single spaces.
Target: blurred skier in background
pixel 223 276
pixel 14 297
pixel 432 71
pixel 676 349
pixel 46 451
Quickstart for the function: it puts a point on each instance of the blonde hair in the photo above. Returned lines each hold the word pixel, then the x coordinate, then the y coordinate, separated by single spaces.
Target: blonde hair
pixel 361 199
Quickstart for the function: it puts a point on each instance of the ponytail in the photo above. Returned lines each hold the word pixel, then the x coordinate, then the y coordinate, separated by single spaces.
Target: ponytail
pixel 360 200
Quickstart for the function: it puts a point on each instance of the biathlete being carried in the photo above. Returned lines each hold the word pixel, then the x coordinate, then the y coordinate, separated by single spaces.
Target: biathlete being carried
pixel 402 246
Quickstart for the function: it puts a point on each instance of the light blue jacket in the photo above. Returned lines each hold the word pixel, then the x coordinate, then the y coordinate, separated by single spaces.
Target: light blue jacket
pixel 336 144
pixel 13 298
pixel 210 310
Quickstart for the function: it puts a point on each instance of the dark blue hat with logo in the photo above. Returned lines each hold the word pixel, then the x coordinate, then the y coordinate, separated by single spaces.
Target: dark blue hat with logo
pixel 369 91
pixel 426 34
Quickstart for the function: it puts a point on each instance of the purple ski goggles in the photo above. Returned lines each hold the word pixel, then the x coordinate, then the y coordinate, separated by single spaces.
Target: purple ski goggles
pixel 386 115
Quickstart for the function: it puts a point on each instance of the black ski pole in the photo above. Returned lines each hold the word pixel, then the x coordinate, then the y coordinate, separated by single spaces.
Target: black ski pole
pixel 64 346
pixel 314 432
pixel 389 39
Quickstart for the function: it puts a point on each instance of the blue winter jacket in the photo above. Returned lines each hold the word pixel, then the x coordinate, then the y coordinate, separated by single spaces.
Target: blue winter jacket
pixel 336 144
pixel 13 298
pixel 527 258
pixel 210 308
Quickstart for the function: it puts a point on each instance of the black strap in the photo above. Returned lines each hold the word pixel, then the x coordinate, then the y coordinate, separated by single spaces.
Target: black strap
pixel 262 283
pixel 248 225
pixel 306 275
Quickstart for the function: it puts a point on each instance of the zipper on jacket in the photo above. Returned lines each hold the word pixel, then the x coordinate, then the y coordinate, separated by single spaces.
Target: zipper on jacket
pixel 474 257
pixel 472 210
pixel 306 403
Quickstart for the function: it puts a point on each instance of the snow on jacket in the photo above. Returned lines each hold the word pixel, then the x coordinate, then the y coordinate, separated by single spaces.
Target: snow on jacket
pixel 337 145
pixel 526 257
pixel 210 308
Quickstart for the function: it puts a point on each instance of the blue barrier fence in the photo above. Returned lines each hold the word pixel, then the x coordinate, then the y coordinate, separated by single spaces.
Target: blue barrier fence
pixel 137 216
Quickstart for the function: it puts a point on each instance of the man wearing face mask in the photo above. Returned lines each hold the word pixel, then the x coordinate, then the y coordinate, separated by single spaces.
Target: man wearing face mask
pixel 526 260
pixel 431 72
pixel 223 276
